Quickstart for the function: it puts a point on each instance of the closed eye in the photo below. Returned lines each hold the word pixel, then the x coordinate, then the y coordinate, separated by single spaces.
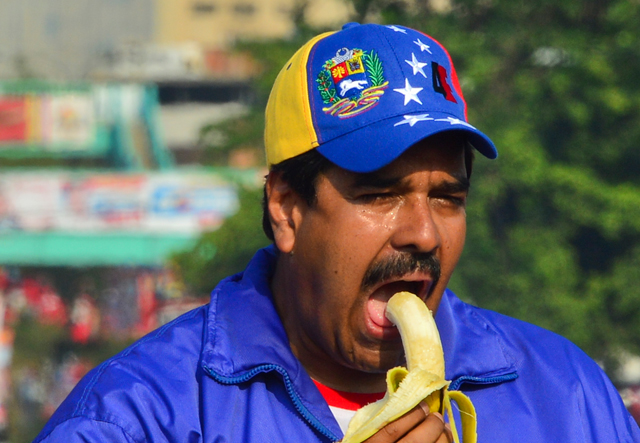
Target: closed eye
pixel 458 201
pixel 375 197
pixel 455 192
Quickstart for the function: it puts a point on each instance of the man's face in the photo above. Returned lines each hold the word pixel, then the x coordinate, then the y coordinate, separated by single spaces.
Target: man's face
pixel 368 236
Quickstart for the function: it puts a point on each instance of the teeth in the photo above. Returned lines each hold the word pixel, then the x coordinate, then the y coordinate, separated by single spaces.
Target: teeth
pixel 423 379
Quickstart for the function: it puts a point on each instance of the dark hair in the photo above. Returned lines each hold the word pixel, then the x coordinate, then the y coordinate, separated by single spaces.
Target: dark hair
pixel 302 172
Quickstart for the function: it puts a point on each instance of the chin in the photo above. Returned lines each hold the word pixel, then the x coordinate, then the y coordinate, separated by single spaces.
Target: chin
pixel 385 361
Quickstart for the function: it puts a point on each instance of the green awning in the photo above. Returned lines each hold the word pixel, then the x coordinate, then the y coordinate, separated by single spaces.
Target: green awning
pixel 106 249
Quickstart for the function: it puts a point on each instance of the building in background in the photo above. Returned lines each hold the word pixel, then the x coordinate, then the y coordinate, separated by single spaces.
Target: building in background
pixel 144 40
pixel 218 24
pixel 65 39
pixel 184 47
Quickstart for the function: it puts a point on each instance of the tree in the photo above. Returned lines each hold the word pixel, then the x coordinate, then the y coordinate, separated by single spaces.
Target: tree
pixel 224 252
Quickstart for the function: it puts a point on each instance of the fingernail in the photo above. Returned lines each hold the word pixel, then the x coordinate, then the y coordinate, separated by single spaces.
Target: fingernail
pixel 439 415
pixel 447 426
pixel 425 407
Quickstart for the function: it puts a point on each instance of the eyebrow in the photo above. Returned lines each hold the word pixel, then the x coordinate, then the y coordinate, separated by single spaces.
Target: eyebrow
pixel 373 180
pixel 460 184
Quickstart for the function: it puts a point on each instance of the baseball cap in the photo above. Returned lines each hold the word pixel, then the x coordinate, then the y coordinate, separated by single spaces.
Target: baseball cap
pixel 363 95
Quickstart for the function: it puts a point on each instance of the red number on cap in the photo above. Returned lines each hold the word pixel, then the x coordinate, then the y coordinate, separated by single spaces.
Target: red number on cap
pixel 440 84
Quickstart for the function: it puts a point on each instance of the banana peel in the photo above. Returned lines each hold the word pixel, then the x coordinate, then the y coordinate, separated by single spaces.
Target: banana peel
pixel 422 379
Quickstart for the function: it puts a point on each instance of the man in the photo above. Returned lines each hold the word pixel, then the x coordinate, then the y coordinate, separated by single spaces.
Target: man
pixel 370 157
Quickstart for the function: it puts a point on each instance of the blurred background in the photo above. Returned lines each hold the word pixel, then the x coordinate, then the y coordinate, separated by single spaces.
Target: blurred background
pixel 131 169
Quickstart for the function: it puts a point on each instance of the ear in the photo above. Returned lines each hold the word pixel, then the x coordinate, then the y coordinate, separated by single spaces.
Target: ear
pixel 283 204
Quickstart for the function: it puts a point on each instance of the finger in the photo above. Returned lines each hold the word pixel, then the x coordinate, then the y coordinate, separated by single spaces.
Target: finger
pixel 446 436
pixel 444 439
pixel 447 431
pixel 395 430
pixel 431 430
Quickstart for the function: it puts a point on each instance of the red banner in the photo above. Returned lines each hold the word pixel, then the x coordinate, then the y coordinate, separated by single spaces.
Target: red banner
pixel 13 122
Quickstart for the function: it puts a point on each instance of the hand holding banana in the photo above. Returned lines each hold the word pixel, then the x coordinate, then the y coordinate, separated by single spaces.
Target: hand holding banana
pixel 422 379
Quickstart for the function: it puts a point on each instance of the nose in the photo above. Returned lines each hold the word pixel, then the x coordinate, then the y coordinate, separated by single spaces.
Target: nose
pixel 416 231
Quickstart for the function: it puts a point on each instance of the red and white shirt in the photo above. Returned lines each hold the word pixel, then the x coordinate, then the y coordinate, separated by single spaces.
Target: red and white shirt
pixel 344 405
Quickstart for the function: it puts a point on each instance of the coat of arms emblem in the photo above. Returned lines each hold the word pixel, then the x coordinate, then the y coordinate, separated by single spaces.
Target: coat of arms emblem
pixel 351 83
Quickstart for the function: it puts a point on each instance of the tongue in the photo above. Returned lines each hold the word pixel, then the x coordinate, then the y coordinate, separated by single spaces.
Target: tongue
pixel 376 308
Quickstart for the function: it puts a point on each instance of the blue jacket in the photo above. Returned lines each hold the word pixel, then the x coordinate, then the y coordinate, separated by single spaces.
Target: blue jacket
pixel 225 373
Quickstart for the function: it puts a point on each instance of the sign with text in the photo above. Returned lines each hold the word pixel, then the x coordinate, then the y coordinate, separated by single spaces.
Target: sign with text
pixel 187 203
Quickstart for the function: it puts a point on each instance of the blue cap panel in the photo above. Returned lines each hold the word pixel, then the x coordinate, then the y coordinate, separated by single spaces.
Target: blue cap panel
pixel 391 83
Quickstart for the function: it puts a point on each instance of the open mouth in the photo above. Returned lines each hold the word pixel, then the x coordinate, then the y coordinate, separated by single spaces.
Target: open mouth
pixel 378 324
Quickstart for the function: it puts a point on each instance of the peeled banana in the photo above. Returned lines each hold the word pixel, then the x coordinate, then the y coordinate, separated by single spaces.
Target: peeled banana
pixel 423 378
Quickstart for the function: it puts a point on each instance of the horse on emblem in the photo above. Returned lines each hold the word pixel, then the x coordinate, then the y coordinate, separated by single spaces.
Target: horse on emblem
pixel 349 84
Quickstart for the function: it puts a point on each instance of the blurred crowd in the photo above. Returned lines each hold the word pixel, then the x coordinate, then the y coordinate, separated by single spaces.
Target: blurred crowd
pixel 130 305
pixel 79 329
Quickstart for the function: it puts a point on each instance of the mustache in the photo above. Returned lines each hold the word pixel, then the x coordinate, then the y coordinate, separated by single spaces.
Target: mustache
pixel 400 265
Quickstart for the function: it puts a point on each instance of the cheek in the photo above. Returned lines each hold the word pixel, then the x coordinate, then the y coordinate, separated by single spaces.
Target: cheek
pixel 453 244
pixel 352 240
pixel 354 243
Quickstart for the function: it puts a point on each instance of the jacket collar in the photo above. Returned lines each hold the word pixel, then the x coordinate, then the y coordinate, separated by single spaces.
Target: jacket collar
pixel 243 329
pixel 474 350
pixel 244 336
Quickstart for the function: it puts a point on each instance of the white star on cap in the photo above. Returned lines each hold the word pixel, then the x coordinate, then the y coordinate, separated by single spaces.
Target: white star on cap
pixel 409 92
pixel 423 46
pixel 395 28
pixel 454 121
pixel 416 65
pixel 413 119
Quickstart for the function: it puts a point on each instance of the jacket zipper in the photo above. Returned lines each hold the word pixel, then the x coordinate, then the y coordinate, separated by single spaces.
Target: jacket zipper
pixel 455 385
pixel 295 398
